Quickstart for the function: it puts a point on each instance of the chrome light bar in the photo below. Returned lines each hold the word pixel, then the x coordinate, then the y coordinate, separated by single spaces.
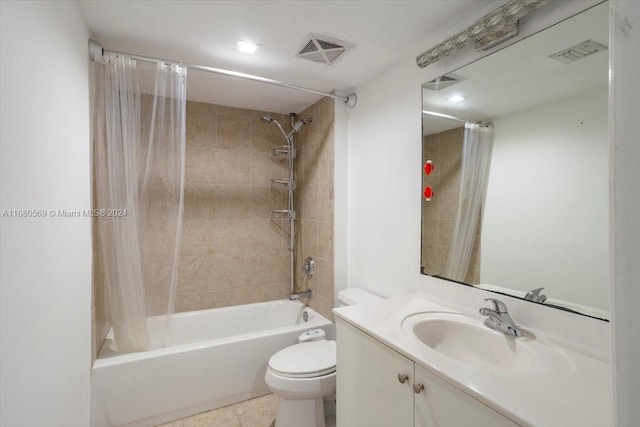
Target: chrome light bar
pixel 488 31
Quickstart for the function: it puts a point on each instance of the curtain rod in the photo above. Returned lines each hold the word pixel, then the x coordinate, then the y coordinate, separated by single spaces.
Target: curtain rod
pixel 444 116
pixel 96 51
pixel 457 119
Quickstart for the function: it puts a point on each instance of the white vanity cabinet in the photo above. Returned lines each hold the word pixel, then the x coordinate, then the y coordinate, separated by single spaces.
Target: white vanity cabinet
pixel 442 405
pixel 368 391
pixel 379 387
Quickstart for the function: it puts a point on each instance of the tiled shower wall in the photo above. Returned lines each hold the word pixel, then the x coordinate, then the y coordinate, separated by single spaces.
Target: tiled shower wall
pixel 444 149
pixel 231 251
pixel 314 199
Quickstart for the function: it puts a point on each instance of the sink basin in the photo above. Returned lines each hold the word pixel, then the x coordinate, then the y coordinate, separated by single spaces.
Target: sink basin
pixel 472 343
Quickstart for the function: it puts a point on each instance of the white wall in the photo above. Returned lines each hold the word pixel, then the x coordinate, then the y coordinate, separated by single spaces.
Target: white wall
pixel 385 159
pixel 340 201
pixel 45 262
pixel 384 204
pixel 625 152
pixel 546 218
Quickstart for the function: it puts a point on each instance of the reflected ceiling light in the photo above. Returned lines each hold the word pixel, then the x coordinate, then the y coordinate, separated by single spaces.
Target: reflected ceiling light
pixel 457 98
pixel 488 31
pixel 246 47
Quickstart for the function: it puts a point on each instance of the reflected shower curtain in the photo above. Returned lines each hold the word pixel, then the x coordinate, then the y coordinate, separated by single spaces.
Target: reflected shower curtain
pixel 139 179
pixel 476 161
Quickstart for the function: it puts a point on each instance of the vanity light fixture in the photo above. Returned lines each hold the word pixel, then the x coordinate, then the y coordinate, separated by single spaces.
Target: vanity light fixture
pixel 457 98
pixel 488 31
pixel 246 47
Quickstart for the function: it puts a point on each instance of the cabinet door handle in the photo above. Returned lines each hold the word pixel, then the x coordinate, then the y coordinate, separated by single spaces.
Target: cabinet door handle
pixel 418 387
pixel 402 377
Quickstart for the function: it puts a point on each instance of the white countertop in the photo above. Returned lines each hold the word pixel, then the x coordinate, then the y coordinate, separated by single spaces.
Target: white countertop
pixel 579 395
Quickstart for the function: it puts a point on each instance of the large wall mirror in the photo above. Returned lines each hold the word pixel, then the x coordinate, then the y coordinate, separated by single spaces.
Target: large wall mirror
pixel 515 148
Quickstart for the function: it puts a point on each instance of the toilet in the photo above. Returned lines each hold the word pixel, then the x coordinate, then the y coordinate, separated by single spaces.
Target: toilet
pixel 303 374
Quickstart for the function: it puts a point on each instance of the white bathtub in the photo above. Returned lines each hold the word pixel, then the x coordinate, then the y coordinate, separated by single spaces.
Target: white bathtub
pixel 215 358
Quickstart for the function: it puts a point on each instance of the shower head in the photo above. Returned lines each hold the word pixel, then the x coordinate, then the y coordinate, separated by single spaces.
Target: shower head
pixel 297 126
pixel 270 120
pixel 267 119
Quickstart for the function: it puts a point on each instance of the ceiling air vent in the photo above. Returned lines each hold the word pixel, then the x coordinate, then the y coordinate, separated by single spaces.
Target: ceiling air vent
pixel 323 49
pixel 579 51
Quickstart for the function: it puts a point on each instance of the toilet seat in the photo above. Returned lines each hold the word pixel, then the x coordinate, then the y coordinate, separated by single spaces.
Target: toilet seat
pixel 305 360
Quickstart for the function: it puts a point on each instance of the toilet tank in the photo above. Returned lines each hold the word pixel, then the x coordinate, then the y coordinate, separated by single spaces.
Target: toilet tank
pixel 352 296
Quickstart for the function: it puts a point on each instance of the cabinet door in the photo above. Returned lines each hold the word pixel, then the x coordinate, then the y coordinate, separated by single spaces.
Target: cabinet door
pixel 368 390
pixel 442 405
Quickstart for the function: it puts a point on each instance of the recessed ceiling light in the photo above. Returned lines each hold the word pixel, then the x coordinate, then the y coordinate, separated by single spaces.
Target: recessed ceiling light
pixel 246 47
pixel 457 98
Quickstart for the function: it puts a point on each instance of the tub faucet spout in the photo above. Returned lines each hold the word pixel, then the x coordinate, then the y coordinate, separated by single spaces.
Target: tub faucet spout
pixel 298 295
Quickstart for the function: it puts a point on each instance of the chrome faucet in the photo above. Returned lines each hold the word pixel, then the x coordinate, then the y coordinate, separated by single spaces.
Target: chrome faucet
pixel 534 295
pixel 499 318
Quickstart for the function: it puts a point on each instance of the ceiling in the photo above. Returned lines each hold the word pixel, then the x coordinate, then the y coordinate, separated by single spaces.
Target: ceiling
pixel 523 75
pixel 206 32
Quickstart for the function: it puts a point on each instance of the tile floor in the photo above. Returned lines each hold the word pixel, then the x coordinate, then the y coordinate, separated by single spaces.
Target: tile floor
pixel 258 412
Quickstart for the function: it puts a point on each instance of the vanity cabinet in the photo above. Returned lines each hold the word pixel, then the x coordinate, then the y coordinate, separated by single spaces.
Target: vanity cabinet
pixel 368 391
pixel 379 387
pixel 441 405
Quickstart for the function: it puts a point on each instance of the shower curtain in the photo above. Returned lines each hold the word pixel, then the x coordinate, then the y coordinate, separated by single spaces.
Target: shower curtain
pixel 139 149
pixel 476 161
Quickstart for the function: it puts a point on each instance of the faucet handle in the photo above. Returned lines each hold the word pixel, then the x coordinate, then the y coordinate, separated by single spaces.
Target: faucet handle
pixel 498 305
pixel 534 295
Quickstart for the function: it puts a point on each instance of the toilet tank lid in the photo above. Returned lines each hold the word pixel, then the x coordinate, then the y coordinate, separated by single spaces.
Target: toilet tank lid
pixel 351 296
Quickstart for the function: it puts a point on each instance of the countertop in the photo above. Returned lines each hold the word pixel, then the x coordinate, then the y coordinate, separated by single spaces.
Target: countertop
pixel 579 395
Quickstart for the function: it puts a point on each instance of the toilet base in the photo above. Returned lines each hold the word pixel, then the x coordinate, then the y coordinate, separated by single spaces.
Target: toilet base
pixel 298 413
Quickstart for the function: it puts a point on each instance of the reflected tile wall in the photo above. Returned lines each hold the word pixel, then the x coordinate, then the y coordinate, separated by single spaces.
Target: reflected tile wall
pixel 314 200
pixel 439 214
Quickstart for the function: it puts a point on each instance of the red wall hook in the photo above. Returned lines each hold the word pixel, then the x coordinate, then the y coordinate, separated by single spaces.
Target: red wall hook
pixel 429 167
pixel 428 193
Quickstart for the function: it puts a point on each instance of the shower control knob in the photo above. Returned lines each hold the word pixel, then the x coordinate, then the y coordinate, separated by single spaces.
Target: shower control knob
pixel 418 387
pixel 402 377
pixel 309 266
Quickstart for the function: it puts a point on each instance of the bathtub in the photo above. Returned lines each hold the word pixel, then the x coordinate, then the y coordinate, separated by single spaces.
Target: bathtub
pixel 215 358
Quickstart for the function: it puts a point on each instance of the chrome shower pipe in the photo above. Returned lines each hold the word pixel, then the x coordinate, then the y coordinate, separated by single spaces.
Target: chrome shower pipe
pixel 96 51
pixel 296 127
pixel 292 225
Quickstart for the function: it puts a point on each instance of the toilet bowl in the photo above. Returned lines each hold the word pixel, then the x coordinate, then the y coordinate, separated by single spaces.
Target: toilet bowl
pixel 302 375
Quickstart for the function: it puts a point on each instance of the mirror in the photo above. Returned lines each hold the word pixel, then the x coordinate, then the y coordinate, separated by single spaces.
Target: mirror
pixel 528 207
